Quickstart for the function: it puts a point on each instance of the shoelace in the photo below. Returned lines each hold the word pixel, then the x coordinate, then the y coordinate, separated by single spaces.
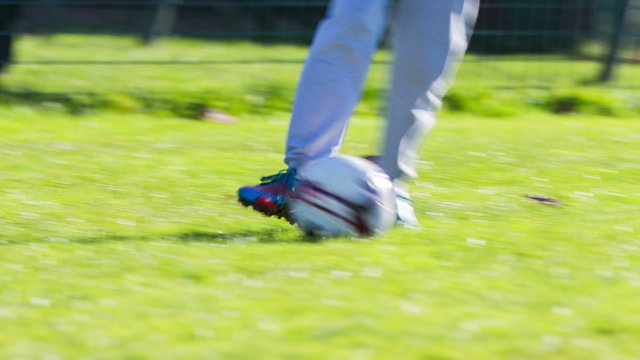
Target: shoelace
pixel 285 176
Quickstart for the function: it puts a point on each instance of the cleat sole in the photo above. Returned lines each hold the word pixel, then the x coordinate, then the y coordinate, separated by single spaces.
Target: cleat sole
pixel 277 214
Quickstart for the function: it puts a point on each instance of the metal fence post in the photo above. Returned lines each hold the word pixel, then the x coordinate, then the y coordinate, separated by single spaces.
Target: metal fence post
pixel 616 42
pixel 164 19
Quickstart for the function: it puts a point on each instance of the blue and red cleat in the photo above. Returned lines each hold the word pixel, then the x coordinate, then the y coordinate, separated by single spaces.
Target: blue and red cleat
pixel 271 195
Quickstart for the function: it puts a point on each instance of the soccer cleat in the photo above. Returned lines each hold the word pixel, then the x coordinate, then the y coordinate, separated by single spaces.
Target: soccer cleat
pixel 406 214
pixel 271 195
pixel 404 205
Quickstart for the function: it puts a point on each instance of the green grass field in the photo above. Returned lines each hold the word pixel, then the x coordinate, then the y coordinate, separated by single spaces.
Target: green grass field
pixel 250 78
pixel 120 238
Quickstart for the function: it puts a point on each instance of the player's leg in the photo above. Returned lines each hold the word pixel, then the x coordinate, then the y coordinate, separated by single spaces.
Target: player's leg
pixel 327 93
pixel 429 39
pixel 333 77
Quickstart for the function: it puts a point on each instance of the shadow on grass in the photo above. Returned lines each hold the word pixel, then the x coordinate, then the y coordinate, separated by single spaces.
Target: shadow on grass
pixel 222 238
pixel 271 236
pixel 190 105
pixel 77 103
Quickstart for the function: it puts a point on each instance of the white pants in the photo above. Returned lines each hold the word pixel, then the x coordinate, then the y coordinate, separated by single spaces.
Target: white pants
pixel 429 38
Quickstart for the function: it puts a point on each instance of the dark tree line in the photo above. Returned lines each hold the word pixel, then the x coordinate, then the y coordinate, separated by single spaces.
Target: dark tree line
pixel 8 15
pixel 504 26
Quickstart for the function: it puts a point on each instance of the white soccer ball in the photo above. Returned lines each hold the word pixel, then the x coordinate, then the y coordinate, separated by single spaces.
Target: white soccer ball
pixel 343 196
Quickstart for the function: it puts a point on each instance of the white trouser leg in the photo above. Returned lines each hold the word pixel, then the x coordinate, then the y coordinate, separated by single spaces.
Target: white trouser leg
pixel 333 77
pixel 429 38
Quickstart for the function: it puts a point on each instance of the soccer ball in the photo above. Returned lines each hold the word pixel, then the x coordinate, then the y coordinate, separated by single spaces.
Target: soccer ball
pixel 343 195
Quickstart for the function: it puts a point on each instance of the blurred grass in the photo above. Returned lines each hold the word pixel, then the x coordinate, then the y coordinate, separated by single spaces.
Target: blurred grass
pixel 120 237
pixel 510 85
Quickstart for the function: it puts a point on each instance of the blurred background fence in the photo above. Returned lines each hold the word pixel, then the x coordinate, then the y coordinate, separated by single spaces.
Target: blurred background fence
pixel 531 43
